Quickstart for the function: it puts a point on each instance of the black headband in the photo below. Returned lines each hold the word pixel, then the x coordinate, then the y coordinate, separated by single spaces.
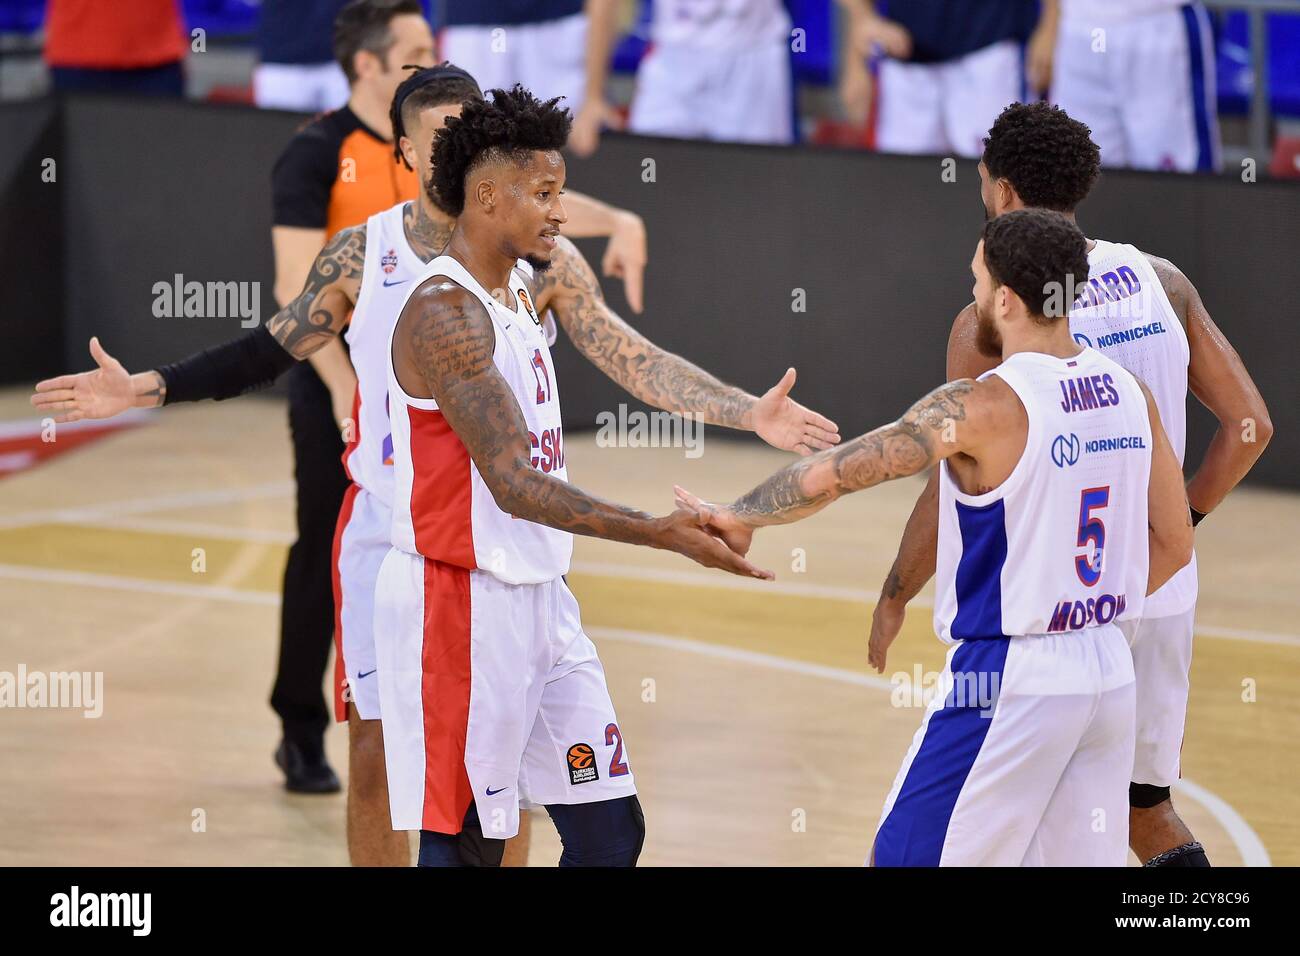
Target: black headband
pixel 421 78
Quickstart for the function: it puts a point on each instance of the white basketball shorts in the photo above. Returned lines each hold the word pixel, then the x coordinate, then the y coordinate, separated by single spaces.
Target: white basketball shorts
pixel 1022 758
pixel 491 693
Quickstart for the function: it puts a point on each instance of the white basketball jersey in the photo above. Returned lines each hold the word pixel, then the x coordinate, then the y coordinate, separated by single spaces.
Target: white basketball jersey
pixel 442 508
pixel 1061 545
pixel 391 265
pixel 1124 313
pixel 733 24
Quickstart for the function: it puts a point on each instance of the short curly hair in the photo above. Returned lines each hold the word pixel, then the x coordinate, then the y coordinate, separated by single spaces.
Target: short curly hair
pixel 1048 157
pixel 512 124
pixel 1040 255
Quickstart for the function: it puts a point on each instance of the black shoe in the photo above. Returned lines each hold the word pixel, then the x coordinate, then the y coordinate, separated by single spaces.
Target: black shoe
pixel 305 772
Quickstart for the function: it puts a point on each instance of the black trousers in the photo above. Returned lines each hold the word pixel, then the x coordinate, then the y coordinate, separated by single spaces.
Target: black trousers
pixel 307 610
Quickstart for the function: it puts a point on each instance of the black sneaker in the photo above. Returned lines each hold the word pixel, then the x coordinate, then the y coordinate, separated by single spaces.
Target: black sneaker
pixel 305 772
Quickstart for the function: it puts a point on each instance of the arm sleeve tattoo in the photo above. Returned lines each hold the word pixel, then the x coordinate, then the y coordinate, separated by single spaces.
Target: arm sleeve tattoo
pixel 321 309
pixel 925 434
pixel 655 376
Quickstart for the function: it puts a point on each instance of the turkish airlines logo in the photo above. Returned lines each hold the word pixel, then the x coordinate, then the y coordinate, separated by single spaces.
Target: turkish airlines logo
pixel 1065 451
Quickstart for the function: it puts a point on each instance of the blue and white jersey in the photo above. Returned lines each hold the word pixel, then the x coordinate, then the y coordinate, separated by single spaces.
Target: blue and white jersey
pixel 1123 313
pixel 1061 545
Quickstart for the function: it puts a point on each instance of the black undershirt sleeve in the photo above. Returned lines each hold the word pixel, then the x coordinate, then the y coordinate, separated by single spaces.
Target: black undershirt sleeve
pixel 241 365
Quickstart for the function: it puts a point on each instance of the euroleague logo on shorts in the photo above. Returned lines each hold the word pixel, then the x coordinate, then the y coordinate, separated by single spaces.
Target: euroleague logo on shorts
pixel 388 261
pixel 582 764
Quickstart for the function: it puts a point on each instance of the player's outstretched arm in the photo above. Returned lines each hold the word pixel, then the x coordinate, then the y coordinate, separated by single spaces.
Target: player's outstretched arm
pixel 917 551
pixel 1168 517
pixel 451 340
pixel 244 364
pixel 949 420
pixel 625 254
pixel 1218 378
pixel 662 379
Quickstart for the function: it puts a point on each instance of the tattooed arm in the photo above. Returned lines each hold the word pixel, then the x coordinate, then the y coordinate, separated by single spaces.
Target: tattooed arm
pixel 662 379
pixel 315 317
pixel 1219 379
pixel 918 548
pixel 954 419
pixel 918 440
pixel 443 349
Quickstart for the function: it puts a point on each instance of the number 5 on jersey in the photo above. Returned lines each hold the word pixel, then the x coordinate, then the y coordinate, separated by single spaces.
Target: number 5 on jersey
pixel 1092 531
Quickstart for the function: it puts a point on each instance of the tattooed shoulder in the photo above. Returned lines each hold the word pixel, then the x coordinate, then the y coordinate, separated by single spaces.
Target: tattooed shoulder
pixel 450 332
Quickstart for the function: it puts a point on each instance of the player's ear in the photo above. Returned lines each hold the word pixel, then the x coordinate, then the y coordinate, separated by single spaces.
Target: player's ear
pixel 408 153
pixel 485 193
pixel 1008 198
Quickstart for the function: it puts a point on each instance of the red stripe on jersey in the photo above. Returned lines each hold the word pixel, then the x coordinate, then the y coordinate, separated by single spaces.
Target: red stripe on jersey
pixel 445 687
pixel 340 670
pixel 441 496
pixel 356 431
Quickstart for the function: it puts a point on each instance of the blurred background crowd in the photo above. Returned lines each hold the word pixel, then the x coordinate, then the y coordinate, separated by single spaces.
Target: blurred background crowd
pixel 1163 84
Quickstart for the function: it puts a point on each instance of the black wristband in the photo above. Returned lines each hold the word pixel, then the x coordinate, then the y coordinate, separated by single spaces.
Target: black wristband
pixel 1196 517
pixel 241 365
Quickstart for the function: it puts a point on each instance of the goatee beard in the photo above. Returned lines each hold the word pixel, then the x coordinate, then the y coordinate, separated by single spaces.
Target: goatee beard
pixel 539 265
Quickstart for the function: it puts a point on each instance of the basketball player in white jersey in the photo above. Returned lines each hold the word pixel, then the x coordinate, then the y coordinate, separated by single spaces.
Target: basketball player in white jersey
pixel 1061 506
pixel 715 69
pixel 1144 313
pixel 489 687
pixel 356 289
pixel 1140 75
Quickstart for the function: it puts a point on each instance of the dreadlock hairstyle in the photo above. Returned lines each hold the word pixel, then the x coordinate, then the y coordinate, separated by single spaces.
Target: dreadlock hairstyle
pixel 440 85
pixel 511 125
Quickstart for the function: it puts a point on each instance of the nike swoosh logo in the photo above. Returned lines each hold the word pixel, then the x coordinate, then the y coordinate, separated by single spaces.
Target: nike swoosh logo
pixel 492 793
pixel 398 282
pixel 367 673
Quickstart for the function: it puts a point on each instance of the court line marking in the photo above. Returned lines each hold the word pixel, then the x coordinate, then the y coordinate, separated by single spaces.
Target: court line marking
pixel 129 517
pixel 1248 843
pixel 26 427
pixel 115 515
pixel 93 514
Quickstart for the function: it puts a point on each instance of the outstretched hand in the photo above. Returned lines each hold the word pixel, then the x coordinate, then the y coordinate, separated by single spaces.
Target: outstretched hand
pixel 783 423
pixel 719 520
pixel 686 534
pixel 101 393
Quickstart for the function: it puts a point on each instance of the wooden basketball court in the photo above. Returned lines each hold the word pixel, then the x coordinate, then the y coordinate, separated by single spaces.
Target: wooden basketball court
pixel 756 732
